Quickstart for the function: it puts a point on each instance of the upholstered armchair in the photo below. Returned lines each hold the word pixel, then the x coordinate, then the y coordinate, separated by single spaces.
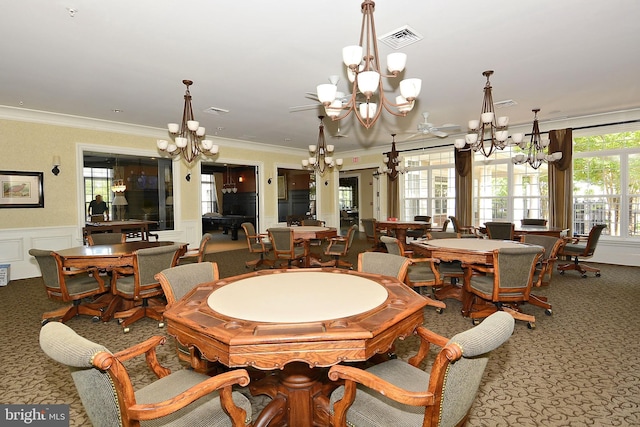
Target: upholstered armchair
pixel 397 393
pixel 106 238
pixel 503 285
pixel 464 230
pixel 498 230
pixel 384 264
pixel 257 244
pixel 580 248
pixel 419 232
pixel 372 233
pixel 196 255
pixel 339 247
pixel 422 272
pixel 140 294
pixel 84 288
pixel 286 247
pixel 176 282
pixel 181 398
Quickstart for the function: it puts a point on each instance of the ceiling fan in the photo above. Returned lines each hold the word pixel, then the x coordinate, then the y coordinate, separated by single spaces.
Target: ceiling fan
pixel 313 95
pixel 426 128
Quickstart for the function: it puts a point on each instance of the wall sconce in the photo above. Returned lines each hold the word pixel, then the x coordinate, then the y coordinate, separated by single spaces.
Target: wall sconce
pixel 56 163
pixel 240 178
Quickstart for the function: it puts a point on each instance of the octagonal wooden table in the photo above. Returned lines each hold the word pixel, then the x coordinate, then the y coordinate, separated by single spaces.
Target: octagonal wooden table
pixel 295 324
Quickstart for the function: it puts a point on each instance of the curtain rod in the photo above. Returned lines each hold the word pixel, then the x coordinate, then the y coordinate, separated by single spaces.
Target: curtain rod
pixel 528 134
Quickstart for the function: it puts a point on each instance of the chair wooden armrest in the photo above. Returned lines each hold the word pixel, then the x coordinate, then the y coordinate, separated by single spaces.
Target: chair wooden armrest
pixel 427 337
pixel 418 260
pixel 478 267
pixel 91 270
pixel 353 375
pixel 222 382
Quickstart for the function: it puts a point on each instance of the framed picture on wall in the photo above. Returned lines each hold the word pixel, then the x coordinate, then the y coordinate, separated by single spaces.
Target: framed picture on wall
pixel 21 189
pixel 282 187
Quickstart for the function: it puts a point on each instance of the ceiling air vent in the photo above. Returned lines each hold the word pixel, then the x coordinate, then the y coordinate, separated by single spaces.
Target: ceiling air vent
pixel 216 111
pixel 505 103
pixel 401 37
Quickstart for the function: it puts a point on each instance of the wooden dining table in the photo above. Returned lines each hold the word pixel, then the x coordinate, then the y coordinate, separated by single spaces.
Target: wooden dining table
pixel 309 233
pixel 294 324
pixel 107 257
pixel 541 230
pixel 400 228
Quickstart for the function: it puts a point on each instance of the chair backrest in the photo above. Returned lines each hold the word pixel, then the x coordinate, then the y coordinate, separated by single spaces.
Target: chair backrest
pixel 514 269
pixel 351 234
pixel 369 225
pixel 202 248
pixel 106 238
pixel 456 224
pixel 461 380
pixel 443 235
pixel 384 264
pixel 177 281
pixel 151 261
pixel 313 222
pixel 594 236
pixel 533 221
pixel 95 387
pixel 425 218
pixel 550 244
pixel 498 230
pixel 282 240
pixel 445 224
pixel 48 267
pixel 97 218
pixel 393 245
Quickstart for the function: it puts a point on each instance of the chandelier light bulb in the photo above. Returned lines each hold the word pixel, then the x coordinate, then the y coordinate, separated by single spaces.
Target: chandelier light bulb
pixel 200 131
pixel 368 82
pixel 181 142
pixel 326 93
pixel 503 121
pixel 162 144
pixel 459 143
pixel 193 125
pixel 487 117
pixel 339 162
pixel 474 124
pixel 410 88
pixel 396 62
pixel 352 56
pixel 517 137
pixel 312 148
pixel 173 127
pixel 214 149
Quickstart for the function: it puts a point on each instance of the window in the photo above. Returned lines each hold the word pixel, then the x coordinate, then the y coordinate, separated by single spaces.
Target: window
pixel 149 186
pixel 429 185
pixel 209 194
pixel 606 176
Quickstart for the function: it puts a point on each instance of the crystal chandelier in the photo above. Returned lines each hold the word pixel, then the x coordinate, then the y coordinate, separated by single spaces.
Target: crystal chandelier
pixel 392 162
pixel 535 148
pixel 363 70
pixel 487 129
pixel 187 138
pixel 321 157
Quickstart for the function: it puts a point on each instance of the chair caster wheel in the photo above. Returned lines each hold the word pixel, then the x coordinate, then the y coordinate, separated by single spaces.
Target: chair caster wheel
pixel 584 275
pixel 439 310
pixel 161 325
pixel 561 271
pixel 531 325
pixel 475 322
pixel 597 274
pixel 126 330
pixel 548 312
pixel 95 319
pixel 120 321
pixel 44 322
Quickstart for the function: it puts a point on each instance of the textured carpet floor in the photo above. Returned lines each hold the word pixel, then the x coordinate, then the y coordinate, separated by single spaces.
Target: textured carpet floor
pixel 579 367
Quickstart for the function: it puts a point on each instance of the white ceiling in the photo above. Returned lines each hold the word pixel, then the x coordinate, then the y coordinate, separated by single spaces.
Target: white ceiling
pixel 258 58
